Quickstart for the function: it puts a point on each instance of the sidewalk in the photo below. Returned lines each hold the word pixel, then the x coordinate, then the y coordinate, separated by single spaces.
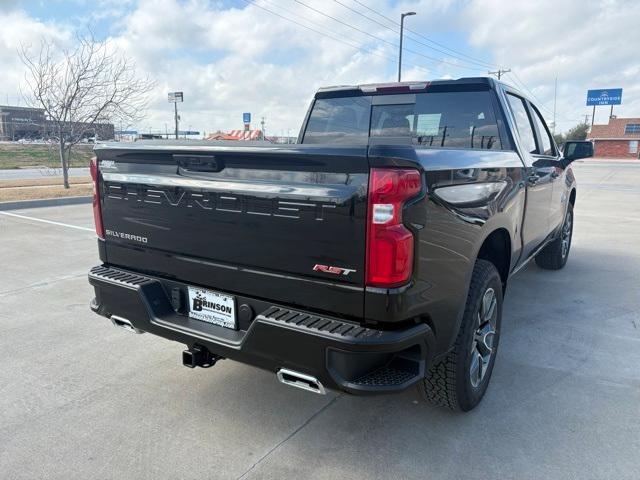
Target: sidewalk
pixel 608 160
pixel 44 172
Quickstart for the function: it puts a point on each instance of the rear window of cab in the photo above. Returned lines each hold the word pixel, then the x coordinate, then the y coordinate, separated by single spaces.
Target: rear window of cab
pixel 458 119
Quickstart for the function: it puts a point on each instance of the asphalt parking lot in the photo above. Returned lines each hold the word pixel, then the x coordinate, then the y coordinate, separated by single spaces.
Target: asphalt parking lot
pixel 82 399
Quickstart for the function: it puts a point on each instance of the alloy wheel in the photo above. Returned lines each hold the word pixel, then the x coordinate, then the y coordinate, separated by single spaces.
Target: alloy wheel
pixel 566 234
pixel 482 346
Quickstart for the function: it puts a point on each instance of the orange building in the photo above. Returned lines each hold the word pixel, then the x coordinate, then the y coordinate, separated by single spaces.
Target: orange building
pixel 620 138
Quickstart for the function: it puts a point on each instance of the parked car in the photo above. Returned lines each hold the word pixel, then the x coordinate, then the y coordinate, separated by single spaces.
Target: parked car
pixel 371 256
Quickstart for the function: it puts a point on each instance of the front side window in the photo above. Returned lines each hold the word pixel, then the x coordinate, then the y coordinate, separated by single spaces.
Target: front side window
pixel 441 119
pixel 339 121
pixel 523 124
pixel 547 143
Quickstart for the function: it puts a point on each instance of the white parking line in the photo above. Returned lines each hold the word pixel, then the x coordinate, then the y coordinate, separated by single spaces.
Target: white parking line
pixel 47 221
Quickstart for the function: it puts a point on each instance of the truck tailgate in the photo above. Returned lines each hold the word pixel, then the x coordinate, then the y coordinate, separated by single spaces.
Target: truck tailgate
pixel 260 221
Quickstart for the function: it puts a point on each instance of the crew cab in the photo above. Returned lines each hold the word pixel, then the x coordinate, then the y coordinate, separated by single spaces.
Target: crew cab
pixel 370 256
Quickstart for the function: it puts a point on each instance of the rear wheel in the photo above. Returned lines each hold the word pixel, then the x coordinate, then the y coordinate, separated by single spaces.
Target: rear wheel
pixel 555 255
pixel 460 380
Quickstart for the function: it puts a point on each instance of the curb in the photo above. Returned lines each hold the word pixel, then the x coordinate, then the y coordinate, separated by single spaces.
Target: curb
pixel 47 202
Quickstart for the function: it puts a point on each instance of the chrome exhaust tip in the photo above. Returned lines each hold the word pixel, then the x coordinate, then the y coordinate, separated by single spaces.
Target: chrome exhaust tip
pixel 300 380
pixel 124 323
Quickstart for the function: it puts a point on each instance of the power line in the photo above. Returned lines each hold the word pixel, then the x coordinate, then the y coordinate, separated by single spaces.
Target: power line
pixel 522 86
pixel 475 60
pixel 499 72
pixel 395 45
pixel 395 30
pixel 361 48
pixel 356 47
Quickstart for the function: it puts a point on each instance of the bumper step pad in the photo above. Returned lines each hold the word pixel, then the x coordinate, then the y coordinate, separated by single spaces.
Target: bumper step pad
pixel 320 324
pixel 385 376
pixel 118 276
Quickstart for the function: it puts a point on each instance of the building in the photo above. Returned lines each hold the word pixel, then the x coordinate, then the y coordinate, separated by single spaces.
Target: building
pixel 18 123
pixel 21 122
pixel 236 135
pixel 620 138
pixel 282 140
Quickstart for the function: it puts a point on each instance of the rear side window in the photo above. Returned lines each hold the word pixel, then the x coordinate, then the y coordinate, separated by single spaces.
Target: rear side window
pixel 523 124
pixel 441 119
pixel 339 121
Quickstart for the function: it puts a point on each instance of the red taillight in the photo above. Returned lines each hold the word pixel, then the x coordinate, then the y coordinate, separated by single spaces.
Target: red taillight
pixel 97 211
pixel 389 242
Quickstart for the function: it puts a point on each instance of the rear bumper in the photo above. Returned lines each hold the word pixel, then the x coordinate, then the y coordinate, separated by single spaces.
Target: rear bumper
pixel 341 354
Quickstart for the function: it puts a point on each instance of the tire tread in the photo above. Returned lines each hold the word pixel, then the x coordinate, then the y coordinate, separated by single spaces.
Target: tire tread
pixel 439 386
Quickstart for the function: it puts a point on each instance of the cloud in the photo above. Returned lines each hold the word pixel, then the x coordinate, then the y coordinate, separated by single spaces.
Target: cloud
pixel 586 44
pixel 242 59
pixel 229 58
pixel 18 29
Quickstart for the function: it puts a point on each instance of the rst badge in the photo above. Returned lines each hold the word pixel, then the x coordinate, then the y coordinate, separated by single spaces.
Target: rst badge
pixel 334 270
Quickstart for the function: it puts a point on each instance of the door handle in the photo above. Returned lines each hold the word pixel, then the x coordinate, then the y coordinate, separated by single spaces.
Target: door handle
pixel 533 178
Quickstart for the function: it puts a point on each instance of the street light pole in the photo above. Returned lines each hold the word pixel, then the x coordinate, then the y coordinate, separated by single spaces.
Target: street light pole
pixel 402 15
pixel 175 106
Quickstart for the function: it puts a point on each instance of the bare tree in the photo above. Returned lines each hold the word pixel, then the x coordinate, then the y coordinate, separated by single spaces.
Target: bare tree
pixel 82 88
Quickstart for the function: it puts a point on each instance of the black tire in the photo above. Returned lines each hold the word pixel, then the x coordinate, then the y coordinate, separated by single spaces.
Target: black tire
pixel 450 382
pixel 555 255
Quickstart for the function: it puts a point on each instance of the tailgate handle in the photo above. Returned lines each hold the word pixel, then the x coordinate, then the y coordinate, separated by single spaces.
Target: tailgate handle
pixel 198 163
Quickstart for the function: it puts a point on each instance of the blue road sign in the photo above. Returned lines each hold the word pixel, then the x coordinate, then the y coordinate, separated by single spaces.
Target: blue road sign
pixel 608 96
pixel 246 117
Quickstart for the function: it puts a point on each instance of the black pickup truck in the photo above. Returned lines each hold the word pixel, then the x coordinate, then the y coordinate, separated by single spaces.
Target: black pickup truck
pixel 370 256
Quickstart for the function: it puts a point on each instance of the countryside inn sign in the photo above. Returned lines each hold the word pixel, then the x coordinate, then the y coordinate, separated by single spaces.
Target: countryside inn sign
pixel 609 96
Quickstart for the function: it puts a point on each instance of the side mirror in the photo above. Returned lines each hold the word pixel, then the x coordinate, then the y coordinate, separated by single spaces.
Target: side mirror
pixel 573 150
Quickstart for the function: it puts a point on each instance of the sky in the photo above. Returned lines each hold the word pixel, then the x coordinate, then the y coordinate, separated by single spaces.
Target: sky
pixel 268 57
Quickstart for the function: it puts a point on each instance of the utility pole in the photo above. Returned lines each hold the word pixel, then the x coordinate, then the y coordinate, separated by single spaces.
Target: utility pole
pixel 586 118
pixel 407 14
pixel 175 97
pixel 498 73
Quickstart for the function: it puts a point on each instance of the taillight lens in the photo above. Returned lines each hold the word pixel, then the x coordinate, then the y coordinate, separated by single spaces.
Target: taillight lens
pixel 97 211
pixel 389 242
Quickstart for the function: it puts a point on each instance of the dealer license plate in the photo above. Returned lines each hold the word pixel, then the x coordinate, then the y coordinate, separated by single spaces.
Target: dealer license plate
pixel 212 307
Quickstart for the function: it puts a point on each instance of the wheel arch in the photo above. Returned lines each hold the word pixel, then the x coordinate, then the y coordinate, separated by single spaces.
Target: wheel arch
pixel 496 248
